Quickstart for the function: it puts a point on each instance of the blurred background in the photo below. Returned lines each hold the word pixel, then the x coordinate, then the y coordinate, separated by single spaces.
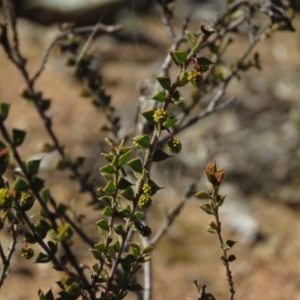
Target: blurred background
pixel 256 139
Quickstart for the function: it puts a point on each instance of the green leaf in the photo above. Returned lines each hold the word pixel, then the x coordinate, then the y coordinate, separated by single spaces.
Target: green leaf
pixel 177 97
pixel 117 246
pixel 220 199
pixel 128 259
pixel 128 194
pixel 191 39
pixel 96 254
pixel 123 184
pixel 164 81
pixel 137 216
pixel 178 56
pixel 38 183
pixel 53 246
pixel 33 166
pixel 108 169
pixel 159 155
pixel 61 209
pixel 95 268
pixel 207 208
pixel 231 258
pixel 119 229
pixel 45 104
pixel 29 238
pixel 173 58
pixel 123 158
pixel 143 141
pixel 135 248
pixel 124 150
pixel 48 296
pixel 45 194
pixel 42 228
pixel 105 200
pixel 110 188
pixel 212 227
pixel 148 115
pixel 159 97
pixel 125 212
pixel 20 185
pixel 108 212
pixel 42 258
pixel 108 157
pixel 100 247
pixel 170 122
pixel 135 287
pixel 203 195
pixel 136 165
pixel 102 224
pixel 147 249
pixel 228 245
pixel 18 137
pixel 4 110
pixel 204 61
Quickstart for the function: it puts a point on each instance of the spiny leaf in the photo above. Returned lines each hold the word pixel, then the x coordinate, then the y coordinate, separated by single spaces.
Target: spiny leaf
pixel 159 97
pixel 170 122
pixel 128 194
pixel 102 224
pixel 159 155
pixel 136 165
pixel 178 57
pixel 164 81
pixel 110 188
pixel 148 115
pixel 123 184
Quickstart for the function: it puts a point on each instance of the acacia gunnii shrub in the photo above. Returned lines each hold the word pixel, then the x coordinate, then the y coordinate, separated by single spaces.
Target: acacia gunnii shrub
pixel 129 188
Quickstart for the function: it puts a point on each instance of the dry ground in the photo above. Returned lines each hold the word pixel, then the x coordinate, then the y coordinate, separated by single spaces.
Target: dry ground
pixel 255 136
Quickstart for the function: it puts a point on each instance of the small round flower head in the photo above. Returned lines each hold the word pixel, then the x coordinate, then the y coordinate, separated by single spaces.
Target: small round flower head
pixel 174 145
pixel 145 201
pixel 64 232
pixel 194 77
pixel 27 201
pixel 147 188
pixel 160 115
pixel 71 285
pixel 203 68
pixel 27 253
pixel 6 198
pixel 145 231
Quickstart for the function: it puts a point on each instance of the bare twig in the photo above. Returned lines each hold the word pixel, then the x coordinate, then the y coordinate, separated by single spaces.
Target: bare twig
pixel 98 28
pixel 6 258
pixel 171 217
